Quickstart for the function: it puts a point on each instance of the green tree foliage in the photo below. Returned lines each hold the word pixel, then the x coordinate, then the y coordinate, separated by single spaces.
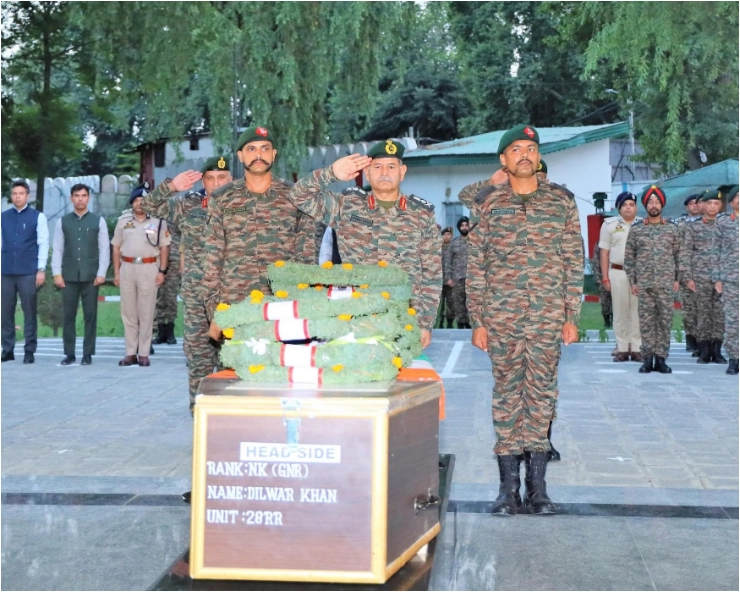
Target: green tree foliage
pixel 675 64
pixel 512 71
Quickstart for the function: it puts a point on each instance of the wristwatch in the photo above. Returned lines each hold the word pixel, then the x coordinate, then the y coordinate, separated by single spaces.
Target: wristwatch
pixel 40 269
pixel 164 271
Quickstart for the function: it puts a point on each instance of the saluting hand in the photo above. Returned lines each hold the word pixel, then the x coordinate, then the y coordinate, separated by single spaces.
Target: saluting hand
pixel 349 167
pixel 185 181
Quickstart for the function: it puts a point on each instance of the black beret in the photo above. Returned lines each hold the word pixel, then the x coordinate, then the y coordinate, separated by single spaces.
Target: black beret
pixel 519 132
pixel 215 163
pixel 387 149
pixel 690 198
pixel 139 191
pixel 252 134
pixel 623 197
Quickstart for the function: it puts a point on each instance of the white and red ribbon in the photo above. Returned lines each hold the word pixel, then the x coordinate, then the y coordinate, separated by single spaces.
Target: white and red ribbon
pixel 278 311
pixel 291 330
pixel 298 356
pixel 312 376
pixel 340 292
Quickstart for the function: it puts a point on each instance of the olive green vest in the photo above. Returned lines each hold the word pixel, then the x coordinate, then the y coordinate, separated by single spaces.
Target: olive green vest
pixel 81 258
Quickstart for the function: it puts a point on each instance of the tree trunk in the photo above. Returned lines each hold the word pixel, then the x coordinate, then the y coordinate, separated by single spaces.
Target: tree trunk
pixel 44 100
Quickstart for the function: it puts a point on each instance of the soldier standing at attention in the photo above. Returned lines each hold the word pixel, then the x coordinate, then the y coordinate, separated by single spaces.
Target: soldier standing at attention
pixel 448 308
pixel 382 225
pixel 726 276
pixel 189 213
pixel 525 276
pixel 651 262
pixel 459 265
pixel 613 238
pixel 688 298
pixel 696 269
pixel 140 247
pixel 605 297
pixel 166 311
pixel 251 223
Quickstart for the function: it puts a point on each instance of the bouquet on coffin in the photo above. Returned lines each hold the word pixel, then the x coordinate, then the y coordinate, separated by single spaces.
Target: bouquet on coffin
pixel 352 323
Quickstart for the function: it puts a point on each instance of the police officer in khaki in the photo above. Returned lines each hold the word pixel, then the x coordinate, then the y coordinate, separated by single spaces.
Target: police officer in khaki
pixel 612 240
pixel 140 243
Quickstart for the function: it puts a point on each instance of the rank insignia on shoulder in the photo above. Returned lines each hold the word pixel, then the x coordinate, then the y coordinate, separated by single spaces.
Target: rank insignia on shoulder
pixel 422 202
pixel 355 191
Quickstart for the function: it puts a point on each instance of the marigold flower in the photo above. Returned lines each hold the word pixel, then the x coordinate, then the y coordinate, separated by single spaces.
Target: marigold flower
pixel 256 294
pixel 344 317
pixel 327 265
pixel 411 311
pixel 347 266
pixel 356 294
pixel 222 307
pixel 409 327
pixel 383 263
pixel 337 367
pixel 364 286
pixel 302 286
pixel 319 287
pixel 385 295
pixel 397 362
pixel 279 263
pixel 254 368
pixel 281 294
pixel 228 332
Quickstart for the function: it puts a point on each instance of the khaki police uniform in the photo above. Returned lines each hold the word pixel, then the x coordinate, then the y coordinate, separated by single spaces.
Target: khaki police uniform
pixel 626 321
pixel 139 241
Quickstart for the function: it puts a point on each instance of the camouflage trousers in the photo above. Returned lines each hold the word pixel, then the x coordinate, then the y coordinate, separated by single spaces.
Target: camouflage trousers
pixel 448 307
pixel 710 319
pixel 730 306
pixel 688 305
pixel 166 311
pixel 605 298
pixel 459 302
pixel 525 371
pixel 655 307
pixel 202 356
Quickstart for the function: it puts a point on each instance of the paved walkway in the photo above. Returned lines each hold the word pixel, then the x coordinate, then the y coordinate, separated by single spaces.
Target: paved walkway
pixel 626 439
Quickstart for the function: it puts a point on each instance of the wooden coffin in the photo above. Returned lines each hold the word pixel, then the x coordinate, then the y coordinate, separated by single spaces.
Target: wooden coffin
pixel 317 485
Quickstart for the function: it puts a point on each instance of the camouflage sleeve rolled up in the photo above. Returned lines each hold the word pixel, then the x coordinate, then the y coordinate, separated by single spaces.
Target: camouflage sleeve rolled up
pixel 310 196
pixel 630 257
pixel 572 255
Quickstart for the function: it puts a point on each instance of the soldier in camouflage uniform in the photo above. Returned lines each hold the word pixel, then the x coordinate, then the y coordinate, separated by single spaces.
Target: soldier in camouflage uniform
pixel 651 262
pixel 385 224
pixel 696 271
pixel 189 213
pixel 688 298
pixel 525 279
pixel 251 224
pixel 605 297
pixel 725 275
pixel 448 308
pixel 166 313
pixel 459 266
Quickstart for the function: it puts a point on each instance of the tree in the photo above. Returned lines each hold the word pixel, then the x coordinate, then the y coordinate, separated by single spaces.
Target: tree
pixel 675 64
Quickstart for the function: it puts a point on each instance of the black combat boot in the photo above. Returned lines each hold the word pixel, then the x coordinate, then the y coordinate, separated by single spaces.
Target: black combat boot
pixel 161 333
pixel 607 322
pixel 536 496
pixel 171 334
pixel 611 322
pixel 704 352
pixel 660 366
pixel 732 366
pixel 647 365
pixel 449 323
pixel 508 501
pixel 717 356
pixel 691 343
pixel 553 455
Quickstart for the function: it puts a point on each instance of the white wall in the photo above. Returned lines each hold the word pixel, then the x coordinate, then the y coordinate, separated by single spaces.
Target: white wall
pixel 584 170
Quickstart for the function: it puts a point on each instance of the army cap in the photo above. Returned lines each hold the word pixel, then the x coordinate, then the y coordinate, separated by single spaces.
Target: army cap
pixel 447 229
pixel 215 163
pixel 731 193
pixel 254 134
pixel 542 167
pixel 711 194
pixel 387 149
pixel 139 191
pixel 690 198
pixel 653 190
pixel 519 132
pixel 623 197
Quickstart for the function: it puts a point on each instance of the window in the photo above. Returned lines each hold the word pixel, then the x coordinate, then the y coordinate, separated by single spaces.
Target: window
pixel 159 155
pixel 195 143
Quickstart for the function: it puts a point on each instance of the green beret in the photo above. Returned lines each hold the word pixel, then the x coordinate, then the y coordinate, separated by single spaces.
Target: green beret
pixel 447 229
pixel 542 167
pixel 710 194
pixel 519 132
pixel 254 133
pixel 387 149
pixel 731 193
pixel 215 163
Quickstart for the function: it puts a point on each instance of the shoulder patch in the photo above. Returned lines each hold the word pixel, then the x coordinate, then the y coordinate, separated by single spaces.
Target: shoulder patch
pixel 359 191
pixel 483 194
pixel 565 190
pixel 422 202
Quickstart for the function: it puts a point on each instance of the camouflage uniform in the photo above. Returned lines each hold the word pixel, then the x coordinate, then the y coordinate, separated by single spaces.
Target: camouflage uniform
pixel 725 270
pixel 605 296
pixel 651 260
pixel 406 234
pixel 525 279
pixel 459 266
pixel 696 264
pixel 448 304
pixel 167 296
pixel 688 298
pixel 189 214
pixel 248 231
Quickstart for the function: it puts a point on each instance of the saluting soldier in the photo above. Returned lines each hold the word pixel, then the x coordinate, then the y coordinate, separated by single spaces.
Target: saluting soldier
pixel 383 224
pixel 140 251
pixel 651 263
pixel 688 298
pixel 725 275
pixel 696 269
pixel 188 211
pixel 448 308
pixel 525 278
